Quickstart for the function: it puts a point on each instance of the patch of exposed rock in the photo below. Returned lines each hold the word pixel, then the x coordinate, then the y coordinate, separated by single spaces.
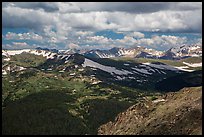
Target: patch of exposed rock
pixel 177 113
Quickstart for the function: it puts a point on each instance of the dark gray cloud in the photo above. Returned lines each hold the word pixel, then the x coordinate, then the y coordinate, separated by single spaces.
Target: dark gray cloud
pixel 46 6
pixel 185 6
pixel 138 7
pixel 132 7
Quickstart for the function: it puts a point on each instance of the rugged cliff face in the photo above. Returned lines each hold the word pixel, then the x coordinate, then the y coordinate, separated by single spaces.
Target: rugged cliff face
pixel 176 113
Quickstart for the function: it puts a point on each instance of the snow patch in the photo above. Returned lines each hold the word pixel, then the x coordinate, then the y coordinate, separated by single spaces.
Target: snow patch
pixel 72 74
pixel 96 82
pixel 141 70
pixel 22 68
pixel 131 77
pixel 194 65
pixel 7 59
pixel 66 61
pixel 184 68
pixel 139 81
pixel 158 100
pixel 80 69
pixel 120 78
pixel 4 53
pixel 9 68
pixel 161 66
pixel 4 72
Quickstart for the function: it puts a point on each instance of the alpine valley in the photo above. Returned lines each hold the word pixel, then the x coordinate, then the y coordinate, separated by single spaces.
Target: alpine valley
pixel 116 91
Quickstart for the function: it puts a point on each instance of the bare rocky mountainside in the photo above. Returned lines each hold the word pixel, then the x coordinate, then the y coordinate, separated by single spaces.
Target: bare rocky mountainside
pixel 175 113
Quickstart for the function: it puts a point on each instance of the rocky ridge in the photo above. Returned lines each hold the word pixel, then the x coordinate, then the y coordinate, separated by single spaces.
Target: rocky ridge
pixel 175 113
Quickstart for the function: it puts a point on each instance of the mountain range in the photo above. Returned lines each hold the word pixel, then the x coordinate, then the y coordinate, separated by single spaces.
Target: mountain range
pixel 107 63
pixel 141 52
pixel 175 53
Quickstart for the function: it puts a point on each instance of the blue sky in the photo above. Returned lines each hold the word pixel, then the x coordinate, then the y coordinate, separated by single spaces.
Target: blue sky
pixel 110 34
pixel 100 25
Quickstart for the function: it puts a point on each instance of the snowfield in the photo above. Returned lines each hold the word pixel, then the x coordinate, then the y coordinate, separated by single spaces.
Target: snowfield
pixel 14 52
pixel 103 55
pixel 161 66
pixel 46 54
pixel 167 67
pixel 108 69
pixel 43 53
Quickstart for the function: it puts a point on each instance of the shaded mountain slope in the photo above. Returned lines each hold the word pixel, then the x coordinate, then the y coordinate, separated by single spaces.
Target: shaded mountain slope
pixel 180 81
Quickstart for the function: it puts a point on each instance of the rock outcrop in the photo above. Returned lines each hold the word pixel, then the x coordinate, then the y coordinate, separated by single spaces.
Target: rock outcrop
pixel 176 113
